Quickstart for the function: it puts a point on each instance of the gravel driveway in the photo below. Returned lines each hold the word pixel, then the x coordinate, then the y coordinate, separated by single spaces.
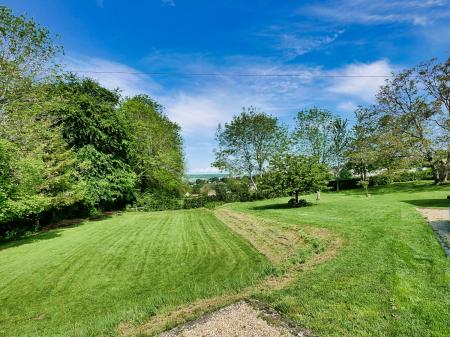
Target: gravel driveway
pixel 237 320
pixel 439 221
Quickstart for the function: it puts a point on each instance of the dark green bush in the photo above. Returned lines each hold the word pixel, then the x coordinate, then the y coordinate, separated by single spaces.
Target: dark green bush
pixel 301 203
pixel 380 180
pixel 157 202
pixel 406 176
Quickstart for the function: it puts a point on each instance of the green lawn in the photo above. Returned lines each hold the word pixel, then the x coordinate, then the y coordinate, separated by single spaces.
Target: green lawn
pixel 391 277
pixel 83 281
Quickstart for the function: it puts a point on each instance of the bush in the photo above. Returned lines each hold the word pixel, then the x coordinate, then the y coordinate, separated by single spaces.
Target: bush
pixel 406 176
pixel 157 202
pixel 301 203
pixel 380 180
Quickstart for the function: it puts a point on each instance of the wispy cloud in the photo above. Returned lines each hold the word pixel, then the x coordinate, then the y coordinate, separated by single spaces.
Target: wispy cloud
pixel 414 12
pixel 296 45
pixel 170 3
pixel 112 74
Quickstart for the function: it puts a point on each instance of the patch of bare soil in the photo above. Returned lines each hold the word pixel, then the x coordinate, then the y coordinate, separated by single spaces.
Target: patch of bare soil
pixel 439 221
pixel 240 319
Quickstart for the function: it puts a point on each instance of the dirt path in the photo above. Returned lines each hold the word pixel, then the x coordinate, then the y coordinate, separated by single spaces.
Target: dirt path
pixel 439 221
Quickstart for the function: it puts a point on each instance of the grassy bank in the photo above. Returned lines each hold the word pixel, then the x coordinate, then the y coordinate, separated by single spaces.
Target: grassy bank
pixel 83 281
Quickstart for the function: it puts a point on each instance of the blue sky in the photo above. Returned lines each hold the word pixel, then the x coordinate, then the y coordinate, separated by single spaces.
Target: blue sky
pixel 315 38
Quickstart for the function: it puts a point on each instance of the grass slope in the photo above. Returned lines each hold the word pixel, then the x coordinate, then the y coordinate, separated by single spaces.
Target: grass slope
pixel 391 277
pixel 83 281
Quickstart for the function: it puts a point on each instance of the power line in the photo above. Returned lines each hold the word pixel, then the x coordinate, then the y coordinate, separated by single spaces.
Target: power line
pixel 229 74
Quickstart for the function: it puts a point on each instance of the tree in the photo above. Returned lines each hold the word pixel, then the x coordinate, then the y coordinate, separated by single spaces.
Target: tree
pixel 436 78
pixel 87 115
pixel 156 146
pixel 362 150
pixel 248 142
pixel 295 175
pixel 340 137
pixel 312 134
pixel 26 55
pixel 415 102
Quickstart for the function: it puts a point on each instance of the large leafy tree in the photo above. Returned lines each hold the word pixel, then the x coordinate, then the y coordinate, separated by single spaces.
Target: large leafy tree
pixel 340 141
pixel 295 175
pixel 415 105
pixel 313 134
pixel 248 142
pixel 156 146
pixel 26 55
pixel 87 115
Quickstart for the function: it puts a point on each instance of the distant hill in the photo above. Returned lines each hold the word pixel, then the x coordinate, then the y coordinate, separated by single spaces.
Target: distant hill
pixel 205 176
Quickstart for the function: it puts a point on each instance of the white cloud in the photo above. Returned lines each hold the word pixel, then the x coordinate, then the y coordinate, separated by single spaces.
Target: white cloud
pixel 361 80
pixel 347 106
pixel 112 74
pixel 414 12
pixel 199 104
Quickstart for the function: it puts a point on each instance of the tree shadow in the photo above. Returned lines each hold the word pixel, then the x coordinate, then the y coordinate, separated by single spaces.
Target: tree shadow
pixel 30 239
pixel 275 206
pixel 51 231
pixel 428 202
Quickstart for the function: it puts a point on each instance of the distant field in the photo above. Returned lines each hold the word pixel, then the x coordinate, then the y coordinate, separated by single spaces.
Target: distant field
pixel 391 277
pixel 83 281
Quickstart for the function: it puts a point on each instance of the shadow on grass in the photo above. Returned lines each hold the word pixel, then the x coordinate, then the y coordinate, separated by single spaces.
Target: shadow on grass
pixel 51 231
pixel 30 239
pixel 271 206
pixel 428 202
pixel 276 206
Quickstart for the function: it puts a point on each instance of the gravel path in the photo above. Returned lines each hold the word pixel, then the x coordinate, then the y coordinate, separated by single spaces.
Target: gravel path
pixel 439 221
pixel 237 320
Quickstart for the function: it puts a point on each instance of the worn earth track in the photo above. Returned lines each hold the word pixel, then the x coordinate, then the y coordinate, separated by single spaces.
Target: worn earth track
pixel 281 243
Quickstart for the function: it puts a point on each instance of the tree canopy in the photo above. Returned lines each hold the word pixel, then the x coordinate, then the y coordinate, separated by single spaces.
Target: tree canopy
pixel 248 142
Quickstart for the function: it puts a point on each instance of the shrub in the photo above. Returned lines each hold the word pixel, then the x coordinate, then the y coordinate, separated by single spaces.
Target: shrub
pixel 380 180
pixel 157 202
pixel 406 176
pixel 300 203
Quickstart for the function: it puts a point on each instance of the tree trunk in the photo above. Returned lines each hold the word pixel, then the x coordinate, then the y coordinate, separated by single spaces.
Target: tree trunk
pixel 318 195
pixel 296 197
pixel 337 185
pixel 253 182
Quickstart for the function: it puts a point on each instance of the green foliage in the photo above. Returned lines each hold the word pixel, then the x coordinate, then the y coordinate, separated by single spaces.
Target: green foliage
pixel 88 116
pixel 313 134
pixel 156 202
pixel 156 146
pixel 26 56
pixel 295 175
pixel 300 203
pixel 380 180
pixel 248 142
pixel 107 181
